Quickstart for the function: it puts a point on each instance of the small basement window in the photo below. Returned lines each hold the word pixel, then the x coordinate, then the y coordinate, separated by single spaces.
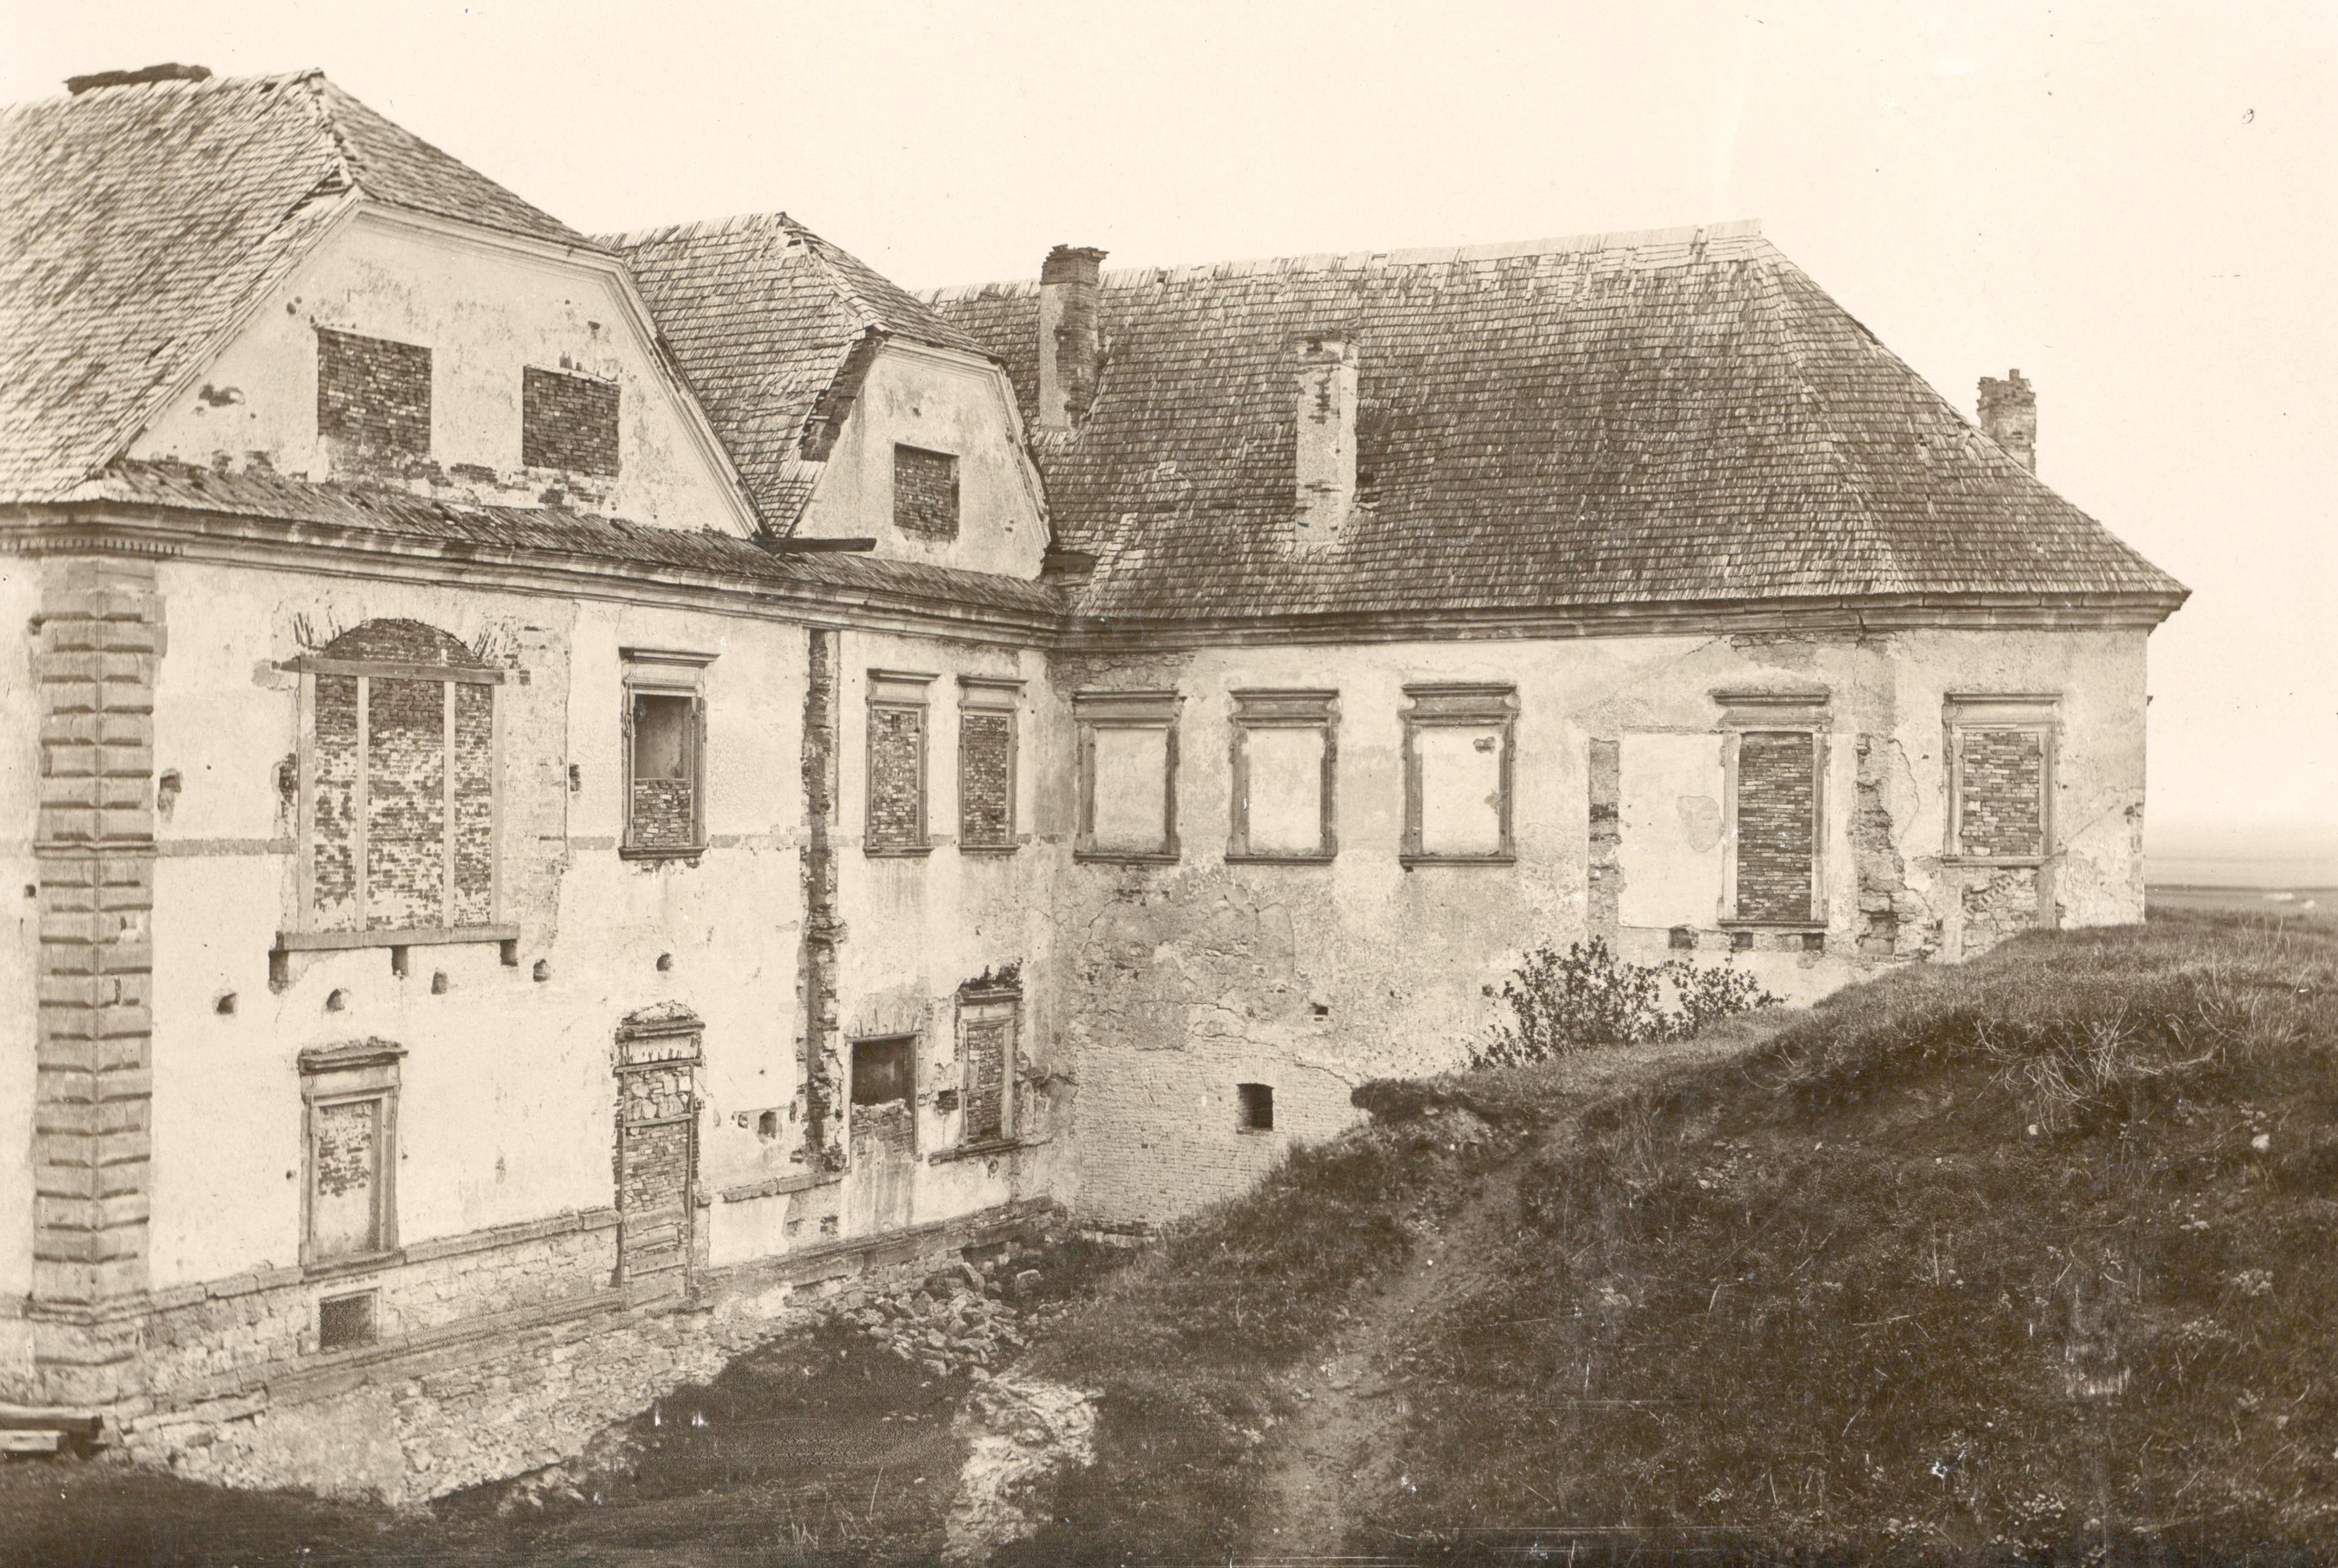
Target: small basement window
pixel 1257 1107
pixel 880 1069
pixel 343 1321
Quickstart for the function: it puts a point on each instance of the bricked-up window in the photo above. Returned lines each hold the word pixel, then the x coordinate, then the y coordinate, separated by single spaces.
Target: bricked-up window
pixel 986 762
pixel 373 395
pixel 1127 775
pixel 664 752
pixel 989 1017
pixel 2000 777
pixel 399 793
pixel 568 421
pixel 1285 756
pixel 349 1199
pixel 1776 807
pixel 1458 743
pixel 897 763
pixel 925 492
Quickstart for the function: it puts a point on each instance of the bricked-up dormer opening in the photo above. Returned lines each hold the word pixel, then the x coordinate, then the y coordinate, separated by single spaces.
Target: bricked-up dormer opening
pixel 400 793
pixel 986 724
pixel 345 1322
pixel 665 753
pixel 1257 1103
pixel 373 395
pixel 896 822
pixel 1773 866
pixel 925 492
pixel 988 1020
pixel 568 422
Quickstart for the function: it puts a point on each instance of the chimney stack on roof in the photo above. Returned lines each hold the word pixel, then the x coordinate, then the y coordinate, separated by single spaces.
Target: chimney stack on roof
pixel 2008 417
pixel 1327 438
pixel 173 71
pixel 1071 335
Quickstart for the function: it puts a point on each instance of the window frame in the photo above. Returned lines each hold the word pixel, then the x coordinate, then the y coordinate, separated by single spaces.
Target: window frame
pixel 989 1005
pixel 361 1072
pixel 899 692
pixel 306 934
pixel 992 696
pixel 1458 704
pixel 1283 709
pixel 1764 712
pixel 1142 710
pixel 662 672
pixel 1964 713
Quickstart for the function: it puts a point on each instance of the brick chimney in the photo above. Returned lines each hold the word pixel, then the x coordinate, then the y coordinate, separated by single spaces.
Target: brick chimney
pixel 1071 335
pixel 2008 417
pixel 1327 438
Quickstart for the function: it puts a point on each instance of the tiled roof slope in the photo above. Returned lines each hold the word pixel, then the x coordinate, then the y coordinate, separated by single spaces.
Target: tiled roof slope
pixel 1676 418
pixel 135 221
pixel 762 316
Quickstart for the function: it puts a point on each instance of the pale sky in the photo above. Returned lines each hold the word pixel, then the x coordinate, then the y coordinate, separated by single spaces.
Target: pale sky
pixel 2136 204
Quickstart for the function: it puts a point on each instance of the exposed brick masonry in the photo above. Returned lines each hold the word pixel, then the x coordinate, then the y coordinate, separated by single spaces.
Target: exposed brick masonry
pixel 474 835
pixel 99 640
pixel 373 393
pixel 663 817
pixel 985 779
pixel 405 804
pixel 925 492
pixel 568 422
pixel 1777 784
pixel 985 1044
pixel 897 749
pixel 824 1069
pixel 2001 793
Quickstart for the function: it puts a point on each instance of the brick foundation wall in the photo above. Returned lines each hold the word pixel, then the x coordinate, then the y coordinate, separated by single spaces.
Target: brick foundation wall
pixel 1776 785
pixel 373 393
pixel 568 422
pixel 99 641
pixel 925 492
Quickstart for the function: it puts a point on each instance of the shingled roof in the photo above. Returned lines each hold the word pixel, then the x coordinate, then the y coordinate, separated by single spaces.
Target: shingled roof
pixel 135 221
pixel 1681 417
pixel 767 319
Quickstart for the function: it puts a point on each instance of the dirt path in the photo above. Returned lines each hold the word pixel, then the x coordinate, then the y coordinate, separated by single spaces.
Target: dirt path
pixel 1340 1452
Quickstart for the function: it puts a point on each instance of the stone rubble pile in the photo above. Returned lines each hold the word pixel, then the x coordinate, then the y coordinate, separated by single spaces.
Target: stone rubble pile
pixel 960 1318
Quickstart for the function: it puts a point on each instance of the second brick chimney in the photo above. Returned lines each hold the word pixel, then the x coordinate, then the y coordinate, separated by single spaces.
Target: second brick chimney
pixel 1327 438
pixel 2008 417
pixel 1071 335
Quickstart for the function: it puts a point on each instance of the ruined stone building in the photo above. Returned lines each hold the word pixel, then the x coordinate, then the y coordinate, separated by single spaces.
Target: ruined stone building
pixel 551 775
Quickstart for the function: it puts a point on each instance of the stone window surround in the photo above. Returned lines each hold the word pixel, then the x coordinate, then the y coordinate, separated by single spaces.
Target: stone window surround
pixel 304 936
pixel 664 673
pixel 1147 710
pixel 989 1004
pixel 1773 712
pixel 2036 712
pixel 902 691
pixel 992 694
pixel 1466 704
pixel 1263 708
pixel 341 1075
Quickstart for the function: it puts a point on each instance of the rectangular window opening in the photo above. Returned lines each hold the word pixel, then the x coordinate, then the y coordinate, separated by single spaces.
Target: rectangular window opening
pixel 373 395
pixel 1127 775
pixel 348 1202
pixel 925 492
pixel 987 1023
pixel 895 820
pixel 1257 1107
pixel 986 762
pixel 345 1321
pixel 664 754
pixel 568 422
pixel 882 1070
pixel 1285 762
pixel 1459 740
pixel 2000 778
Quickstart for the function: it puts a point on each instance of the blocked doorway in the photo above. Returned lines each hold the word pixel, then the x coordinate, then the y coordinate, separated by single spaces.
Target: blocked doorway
pixel 657 1061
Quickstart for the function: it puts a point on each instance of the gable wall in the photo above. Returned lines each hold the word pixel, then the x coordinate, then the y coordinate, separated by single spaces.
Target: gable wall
pixel 486 312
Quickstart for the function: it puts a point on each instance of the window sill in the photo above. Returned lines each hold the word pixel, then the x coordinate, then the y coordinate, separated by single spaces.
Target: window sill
pixel 966 849
pixel 983 1150
pixel 349 1267
pixel 777 1186
pixel 2017 862
pixel 1127 857
pixel 1256 859
pixel 1733 924
pixel 1410 861
pixel 689 852
pixel 327 941
pixel 898 852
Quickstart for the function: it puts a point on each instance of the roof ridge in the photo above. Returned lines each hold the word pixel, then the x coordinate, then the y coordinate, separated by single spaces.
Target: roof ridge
pixel 190 87
pixel 705 228
pixel 1358 260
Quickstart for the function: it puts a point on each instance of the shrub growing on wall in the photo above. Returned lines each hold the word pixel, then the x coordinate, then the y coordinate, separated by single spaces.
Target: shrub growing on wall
pixel 1587 996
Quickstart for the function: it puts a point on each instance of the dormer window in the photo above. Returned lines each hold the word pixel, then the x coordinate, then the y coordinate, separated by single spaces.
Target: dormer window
pixel 567 422
pixel 373 395
pixel 925 492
